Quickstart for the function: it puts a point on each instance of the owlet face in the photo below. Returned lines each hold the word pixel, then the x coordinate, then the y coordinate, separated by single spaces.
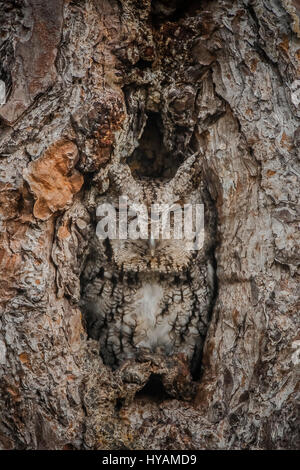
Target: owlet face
pixel 161 219
pixel 147 286
pixel 161 244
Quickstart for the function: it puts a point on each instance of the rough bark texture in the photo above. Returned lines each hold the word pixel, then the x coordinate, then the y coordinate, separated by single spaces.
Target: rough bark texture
pixel 81 76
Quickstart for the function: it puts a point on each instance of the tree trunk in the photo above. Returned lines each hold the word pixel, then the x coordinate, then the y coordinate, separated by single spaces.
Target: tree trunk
pixel 82 77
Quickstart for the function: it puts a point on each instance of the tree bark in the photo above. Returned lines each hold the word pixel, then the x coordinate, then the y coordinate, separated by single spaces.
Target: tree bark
pixel 80 78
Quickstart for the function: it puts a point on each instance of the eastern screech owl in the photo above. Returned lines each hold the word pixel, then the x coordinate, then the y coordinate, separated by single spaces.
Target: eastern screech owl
pixel 144 297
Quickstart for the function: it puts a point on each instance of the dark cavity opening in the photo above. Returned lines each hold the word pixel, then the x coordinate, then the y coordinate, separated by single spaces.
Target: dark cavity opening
pixel 151 158
pixel 154 389
pixel 172 10
pixel 119 404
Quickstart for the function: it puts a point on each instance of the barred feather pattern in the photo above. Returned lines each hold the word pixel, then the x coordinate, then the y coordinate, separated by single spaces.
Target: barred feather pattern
pixel 134 302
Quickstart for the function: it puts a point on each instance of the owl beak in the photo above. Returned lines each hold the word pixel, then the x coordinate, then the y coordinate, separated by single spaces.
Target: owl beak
pixel 152 243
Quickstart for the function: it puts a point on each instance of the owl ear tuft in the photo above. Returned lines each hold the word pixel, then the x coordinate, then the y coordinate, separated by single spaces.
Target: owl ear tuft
pixel 121 177
pixel 185 177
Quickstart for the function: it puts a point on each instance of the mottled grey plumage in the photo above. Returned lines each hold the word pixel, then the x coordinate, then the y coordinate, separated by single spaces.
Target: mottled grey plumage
pixel 137 301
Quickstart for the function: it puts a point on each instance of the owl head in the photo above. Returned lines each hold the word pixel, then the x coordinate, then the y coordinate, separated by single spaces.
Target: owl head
pixel 156 224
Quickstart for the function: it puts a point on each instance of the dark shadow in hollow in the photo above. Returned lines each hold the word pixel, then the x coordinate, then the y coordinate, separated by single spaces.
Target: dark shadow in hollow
pixel 154 389
pixel 151 159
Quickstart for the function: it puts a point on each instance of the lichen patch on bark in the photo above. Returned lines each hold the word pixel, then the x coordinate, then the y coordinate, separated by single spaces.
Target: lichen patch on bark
pixel 53 179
